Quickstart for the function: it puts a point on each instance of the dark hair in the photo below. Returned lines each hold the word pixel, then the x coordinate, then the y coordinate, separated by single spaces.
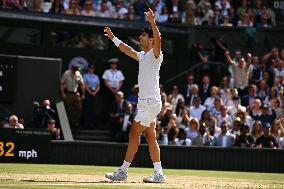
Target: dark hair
pixel 149 31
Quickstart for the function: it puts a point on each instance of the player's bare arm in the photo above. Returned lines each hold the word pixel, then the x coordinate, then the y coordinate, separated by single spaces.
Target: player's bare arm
pixel 122 46
pixel 150 16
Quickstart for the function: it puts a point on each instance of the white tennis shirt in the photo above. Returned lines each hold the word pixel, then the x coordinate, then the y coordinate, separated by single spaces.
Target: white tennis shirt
pixel 148 76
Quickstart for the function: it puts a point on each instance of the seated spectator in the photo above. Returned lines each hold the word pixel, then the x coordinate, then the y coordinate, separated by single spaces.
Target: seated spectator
pixel 133 97
pixel 233 16
pixel 104 10
pixel 197 109
pixel 162 137
pixel 199 140
pixel 244 140
pixel 255 112
pixel 226 22
pixel 131 14
pixel 88 9
pixel 174 97
pixel 182 113
pixel 11 4
pixel 256 131
pixel 118 11
pixel 236 125
pixel 192 130
pixel 117 111
pixel 263 90
pixel 126 120
pixel 171 130
pixel 57 6
pixel 248 99
pixel 215 111
pixel 209 139
pixel 245 118
pixel 194 93
pixel 267 114
pixel 163 16
pixel 207 119
pixel 73 8
pixel 209 102
pixel 182 138
pixel 237 106
pixel 225 139
pixel 277 130
pixel 13 123
pixel 54 131
pixel 266 140
pixel 224 116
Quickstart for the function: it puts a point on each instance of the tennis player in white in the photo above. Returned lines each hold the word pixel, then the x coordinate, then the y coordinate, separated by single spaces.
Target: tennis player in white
pixel 149 102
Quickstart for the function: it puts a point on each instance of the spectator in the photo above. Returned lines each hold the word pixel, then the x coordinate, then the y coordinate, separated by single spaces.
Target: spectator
pixel 70 82
pixel 217 16
pixel 215 111
pixel 245 118
pixel 73 8
pixel 182 138
pixel 242 9
pixel 244 140
pixel 133 97
pixel 225 139
pixel 186 89
pixel 88 9
pixel 255 112
pixel 277 130
pixel 118 108
pixel 126 121
pixel 192 130
pixel 256 131
pixel 224 6
pixel 48 112
pixel 267 114
pixel 199 140
pixel 104 10
pixel 248 99
pixel 224 116
pixel 162 137
pixel 57 7
pixel 236 125
pixel 92 87
pixel 207 119
pixel 11 4
pixel 163 16
pixel 224 88
pixel 209 139
pixel 262 90
pixel 198 16
pixel 226 22
pixel 272 94
pixel 209 102
pixel 131 14
pixel 174 97
pixel 205 88
pixel 208 13
pixel 266 140
pixel 194 94
pixel 13 123
pixel 240 72
pixel 233 17
pixel 171 130
pixel 54 131
pixel 270 57
pixel 119 11
pixel 197 109
pixel 166 111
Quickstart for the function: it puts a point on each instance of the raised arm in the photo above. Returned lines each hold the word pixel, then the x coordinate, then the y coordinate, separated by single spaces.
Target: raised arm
pixel 150 16
pixel 228 57
pixel 122 46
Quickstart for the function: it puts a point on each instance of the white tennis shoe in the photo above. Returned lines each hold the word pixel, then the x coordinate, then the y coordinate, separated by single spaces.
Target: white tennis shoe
pixel 118 175
pixel 155 178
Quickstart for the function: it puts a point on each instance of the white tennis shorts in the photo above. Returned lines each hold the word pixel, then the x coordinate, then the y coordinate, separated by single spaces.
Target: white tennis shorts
pixel 147 111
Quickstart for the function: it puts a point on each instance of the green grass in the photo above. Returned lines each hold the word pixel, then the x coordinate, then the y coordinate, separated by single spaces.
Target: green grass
pixel 269 179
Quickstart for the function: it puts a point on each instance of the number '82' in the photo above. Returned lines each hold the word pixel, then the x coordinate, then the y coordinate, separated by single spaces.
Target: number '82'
pixel 10 148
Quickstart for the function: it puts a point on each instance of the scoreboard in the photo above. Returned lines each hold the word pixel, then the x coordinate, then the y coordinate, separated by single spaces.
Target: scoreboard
pixel 24 145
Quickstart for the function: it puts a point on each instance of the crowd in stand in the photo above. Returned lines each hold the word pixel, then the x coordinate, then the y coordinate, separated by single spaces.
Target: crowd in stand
pixel 245 110
pixel 243 13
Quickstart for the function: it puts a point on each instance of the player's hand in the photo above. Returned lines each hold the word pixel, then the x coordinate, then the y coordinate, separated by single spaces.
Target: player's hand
pixel 108 33
pixel 150 16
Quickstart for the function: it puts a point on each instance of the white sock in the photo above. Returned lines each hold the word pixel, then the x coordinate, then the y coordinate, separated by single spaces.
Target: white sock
pixel 125 165
pixel 158 167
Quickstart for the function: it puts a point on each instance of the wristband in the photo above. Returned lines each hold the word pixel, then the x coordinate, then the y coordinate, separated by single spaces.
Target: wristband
pixel 116 41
